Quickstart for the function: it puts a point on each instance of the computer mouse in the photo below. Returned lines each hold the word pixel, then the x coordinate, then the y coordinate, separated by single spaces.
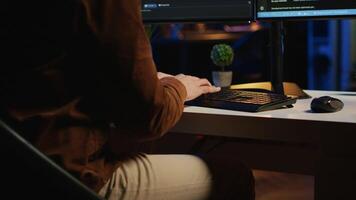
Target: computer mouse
pixel 326 104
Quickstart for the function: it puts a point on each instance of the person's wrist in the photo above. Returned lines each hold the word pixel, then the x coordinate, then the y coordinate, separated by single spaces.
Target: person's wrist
pixel 177 85
pixel 161 75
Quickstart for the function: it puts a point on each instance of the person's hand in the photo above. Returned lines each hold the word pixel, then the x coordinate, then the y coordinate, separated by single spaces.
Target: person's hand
pixel 196 86
pixel 161 75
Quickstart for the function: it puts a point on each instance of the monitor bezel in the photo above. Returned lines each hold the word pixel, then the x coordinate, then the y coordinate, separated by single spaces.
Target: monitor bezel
pixel 187 20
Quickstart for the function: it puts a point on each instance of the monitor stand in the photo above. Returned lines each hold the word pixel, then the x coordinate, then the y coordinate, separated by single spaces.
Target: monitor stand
pixel 277 36
pixel 277 39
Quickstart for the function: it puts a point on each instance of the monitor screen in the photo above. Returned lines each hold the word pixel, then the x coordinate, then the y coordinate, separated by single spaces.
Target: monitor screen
pixel 197 10
pixel 305 8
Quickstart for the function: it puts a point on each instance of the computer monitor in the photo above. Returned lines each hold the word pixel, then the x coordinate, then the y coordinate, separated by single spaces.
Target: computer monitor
pixel 286 9
pixel 276 11
pixel 197 10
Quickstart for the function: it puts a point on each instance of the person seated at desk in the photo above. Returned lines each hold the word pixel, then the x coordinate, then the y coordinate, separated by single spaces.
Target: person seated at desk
pixel 81 84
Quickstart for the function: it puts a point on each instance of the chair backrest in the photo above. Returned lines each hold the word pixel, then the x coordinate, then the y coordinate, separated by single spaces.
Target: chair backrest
pixel 26 173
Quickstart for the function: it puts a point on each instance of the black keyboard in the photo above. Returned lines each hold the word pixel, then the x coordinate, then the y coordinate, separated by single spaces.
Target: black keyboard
pixel 243 100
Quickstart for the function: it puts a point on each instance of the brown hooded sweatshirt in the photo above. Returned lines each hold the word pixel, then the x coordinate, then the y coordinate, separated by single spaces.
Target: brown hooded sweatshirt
pixel 82 83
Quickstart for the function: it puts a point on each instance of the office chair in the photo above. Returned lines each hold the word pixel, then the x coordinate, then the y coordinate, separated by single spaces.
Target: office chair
pixel 26 173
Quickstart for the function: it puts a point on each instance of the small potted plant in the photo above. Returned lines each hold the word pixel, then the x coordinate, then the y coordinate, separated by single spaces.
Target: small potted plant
pixel 222 56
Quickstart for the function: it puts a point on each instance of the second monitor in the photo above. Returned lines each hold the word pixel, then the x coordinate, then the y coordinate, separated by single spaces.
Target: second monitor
pixel 305 8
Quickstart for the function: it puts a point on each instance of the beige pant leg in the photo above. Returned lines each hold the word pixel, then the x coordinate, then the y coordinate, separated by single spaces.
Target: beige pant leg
pixel 160 177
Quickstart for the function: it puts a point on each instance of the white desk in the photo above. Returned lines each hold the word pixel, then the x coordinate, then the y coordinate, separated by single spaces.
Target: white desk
pixel 296 124
pixel 334 133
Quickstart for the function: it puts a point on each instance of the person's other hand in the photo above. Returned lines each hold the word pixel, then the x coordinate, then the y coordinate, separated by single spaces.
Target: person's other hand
pixel 196 86
pixel 161 75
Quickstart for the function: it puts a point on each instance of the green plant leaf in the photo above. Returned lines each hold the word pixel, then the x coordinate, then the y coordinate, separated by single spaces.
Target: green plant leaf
pixel 222 55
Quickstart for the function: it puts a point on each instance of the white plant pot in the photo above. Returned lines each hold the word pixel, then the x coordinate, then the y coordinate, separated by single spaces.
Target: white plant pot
pixel 222 78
